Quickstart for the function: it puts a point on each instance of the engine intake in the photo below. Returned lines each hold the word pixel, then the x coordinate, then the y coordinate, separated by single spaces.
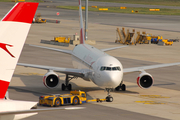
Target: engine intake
pixel 145 80
pixel 51 79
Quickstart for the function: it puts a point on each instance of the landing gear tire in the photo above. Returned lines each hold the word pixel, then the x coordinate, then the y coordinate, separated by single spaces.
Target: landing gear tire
pixel 69 87
pixel 66 84
pixel 63 87
pixel 109 99
pixel 117 88
pixel 123 87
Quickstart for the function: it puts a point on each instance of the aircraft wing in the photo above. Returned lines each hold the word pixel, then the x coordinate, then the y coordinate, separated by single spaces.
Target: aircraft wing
pixel 69 71
pixel 70 52
pixel 38 110
pixel 139 69
pixel 108 49
pixel 59 50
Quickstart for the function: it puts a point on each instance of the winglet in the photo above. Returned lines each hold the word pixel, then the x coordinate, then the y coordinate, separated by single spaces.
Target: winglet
pixel 81 24
pixel 14 28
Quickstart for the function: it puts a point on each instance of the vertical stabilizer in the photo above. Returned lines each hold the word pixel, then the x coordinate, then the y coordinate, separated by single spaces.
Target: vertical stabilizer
pixel 14 28
pixel 81 24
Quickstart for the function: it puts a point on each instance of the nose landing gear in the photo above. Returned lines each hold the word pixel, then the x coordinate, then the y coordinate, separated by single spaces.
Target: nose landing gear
pixel 109 98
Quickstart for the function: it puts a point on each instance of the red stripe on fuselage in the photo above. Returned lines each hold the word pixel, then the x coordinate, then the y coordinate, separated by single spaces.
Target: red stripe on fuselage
pixel 22 12
pixel 3 88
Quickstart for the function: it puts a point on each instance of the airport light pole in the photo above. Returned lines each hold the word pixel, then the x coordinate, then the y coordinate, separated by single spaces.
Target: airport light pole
pixel 86 20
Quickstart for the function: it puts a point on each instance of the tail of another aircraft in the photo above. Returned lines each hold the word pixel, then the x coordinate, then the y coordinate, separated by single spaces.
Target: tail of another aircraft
pixel 14 28
pixel 81 24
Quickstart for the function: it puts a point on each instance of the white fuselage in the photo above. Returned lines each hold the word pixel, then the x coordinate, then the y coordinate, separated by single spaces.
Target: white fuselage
pixel 105 70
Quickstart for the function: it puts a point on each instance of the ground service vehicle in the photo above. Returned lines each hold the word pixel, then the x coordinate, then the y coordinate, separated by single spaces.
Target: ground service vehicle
pixel 38 19
pixel 74 98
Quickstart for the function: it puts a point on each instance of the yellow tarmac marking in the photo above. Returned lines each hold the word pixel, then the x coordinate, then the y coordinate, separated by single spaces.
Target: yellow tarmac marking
pixel 94 6
pixel 149 102
pixel 153 96
pixel 103 8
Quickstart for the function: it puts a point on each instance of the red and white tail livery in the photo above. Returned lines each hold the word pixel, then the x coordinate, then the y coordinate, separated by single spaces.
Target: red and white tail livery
pixel 81 24
pixel 14 28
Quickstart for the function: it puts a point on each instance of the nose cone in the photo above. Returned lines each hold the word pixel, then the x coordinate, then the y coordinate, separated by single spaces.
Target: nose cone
pixel 111 79
pixel 114 79
pixel 108 72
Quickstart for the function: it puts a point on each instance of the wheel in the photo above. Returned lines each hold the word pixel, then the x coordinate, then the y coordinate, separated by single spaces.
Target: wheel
pixel 109 99
pixel 69 87
pixel 117 88
pixel 75 100
pixel 63 87
pixel 57 102
pixel 123 87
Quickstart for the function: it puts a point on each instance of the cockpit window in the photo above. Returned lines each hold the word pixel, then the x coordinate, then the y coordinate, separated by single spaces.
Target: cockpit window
pixel 110 68
pixel 114 68
pixel 102 68
pixel 118 68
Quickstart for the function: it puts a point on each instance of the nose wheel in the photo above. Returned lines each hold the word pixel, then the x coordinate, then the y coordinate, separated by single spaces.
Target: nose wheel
pixel 109 98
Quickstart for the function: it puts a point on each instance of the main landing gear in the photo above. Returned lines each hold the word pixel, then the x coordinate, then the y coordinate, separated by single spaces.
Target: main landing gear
pixel 121 86
pixel 109 98
pixel 67 85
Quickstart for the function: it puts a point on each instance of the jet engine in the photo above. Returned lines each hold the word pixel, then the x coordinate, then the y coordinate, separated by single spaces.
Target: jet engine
pixel 51 79
pixel 145 80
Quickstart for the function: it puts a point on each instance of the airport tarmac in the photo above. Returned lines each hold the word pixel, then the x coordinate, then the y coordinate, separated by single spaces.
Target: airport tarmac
pixel 160 102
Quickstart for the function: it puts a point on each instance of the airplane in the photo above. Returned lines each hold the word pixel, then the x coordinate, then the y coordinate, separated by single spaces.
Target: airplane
pixel 92 64
pixel 14 28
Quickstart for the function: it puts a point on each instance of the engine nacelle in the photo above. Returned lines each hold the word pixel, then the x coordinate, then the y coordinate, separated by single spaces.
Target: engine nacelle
pixel 51 79
pixel 145 80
